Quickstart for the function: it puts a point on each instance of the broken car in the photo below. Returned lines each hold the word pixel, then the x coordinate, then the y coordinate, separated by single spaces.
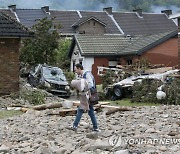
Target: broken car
pixel 118 89
pixel 49 78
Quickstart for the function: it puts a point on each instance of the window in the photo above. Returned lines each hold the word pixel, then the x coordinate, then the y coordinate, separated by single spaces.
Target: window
pixel 94 23
pixel 112 63
pixel 129 62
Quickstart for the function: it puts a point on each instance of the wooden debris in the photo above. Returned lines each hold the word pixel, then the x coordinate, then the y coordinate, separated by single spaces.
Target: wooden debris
pixel 72 111
pixel 111 111
pixel 39 107
pixel 117 107
pixel 100 103
pixel 47 106
pixel 67 112
pixel 23 109
pixel 158 70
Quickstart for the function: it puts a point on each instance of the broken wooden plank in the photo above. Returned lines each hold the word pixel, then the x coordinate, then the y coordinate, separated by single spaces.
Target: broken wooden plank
pixel 47 106
pixel 67 112
pixel 118 108
pixel 100 103
pixel 23 109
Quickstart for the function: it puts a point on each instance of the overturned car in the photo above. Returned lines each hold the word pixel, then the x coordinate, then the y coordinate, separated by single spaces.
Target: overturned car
pixel 49 78
pixel 118 90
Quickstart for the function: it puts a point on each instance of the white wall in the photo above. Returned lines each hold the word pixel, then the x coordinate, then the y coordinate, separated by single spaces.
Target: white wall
pixel 87 62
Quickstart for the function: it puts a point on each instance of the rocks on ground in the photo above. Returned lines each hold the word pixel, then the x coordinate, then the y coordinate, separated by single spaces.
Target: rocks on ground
pixel 144 130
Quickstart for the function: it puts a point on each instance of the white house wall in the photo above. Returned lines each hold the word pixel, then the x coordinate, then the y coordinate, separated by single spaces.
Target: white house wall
pixel 87 62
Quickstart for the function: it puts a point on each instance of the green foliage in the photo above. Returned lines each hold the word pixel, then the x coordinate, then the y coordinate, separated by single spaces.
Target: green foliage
pixel 42 47
pixel 70 76
pixel 107 78
pixel 172 91
pixel 62 58
pixel 33 97
pixel 146 92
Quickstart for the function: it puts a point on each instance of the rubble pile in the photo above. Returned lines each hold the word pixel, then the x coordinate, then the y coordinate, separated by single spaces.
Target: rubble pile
pixel 43 128
pixel 147 130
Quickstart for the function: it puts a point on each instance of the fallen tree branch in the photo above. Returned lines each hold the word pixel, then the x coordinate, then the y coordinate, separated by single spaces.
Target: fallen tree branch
pixel 47 106
pixel 39 107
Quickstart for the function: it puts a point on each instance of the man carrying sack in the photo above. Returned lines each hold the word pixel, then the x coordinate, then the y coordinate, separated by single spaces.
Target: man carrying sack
pixel 84 85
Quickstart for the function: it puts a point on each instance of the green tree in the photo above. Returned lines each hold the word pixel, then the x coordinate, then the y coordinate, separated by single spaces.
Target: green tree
pixel 42 47
pixel 62 59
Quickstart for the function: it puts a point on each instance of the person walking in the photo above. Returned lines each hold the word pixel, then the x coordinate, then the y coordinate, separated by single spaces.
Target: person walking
pixel 83 85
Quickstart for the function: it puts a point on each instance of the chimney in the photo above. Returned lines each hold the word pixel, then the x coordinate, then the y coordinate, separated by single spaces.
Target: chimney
pixel 45 8
pixel 108 10
pixel 139 12
pixel 167 12
pixel 178 42
pixel 12 8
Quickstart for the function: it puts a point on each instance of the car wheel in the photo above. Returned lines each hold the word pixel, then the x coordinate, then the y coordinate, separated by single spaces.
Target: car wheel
pixel 117 91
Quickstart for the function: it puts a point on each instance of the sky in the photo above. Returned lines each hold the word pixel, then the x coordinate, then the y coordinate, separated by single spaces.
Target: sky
pixel 72 5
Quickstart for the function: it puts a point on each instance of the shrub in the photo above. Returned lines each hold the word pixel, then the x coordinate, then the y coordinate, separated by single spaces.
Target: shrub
pixel 146 92
pixel 172 91
pixel 70 76
pixel 107 79
pixel 34 97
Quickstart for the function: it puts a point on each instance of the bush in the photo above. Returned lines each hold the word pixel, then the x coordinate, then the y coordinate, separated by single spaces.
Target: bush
pixel 70 76
pixel 146 92
pixel 172 91
pixel 33 97
pixel 107 78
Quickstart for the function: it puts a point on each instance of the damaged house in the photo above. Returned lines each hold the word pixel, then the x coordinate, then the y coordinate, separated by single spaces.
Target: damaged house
pixel 11 33
pixel 107 38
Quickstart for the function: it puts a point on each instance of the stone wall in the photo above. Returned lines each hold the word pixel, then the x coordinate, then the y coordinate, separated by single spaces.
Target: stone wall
pixel 9 65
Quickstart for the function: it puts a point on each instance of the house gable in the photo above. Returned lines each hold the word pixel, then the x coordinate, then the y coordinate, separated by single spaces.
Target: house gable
pixel 89 25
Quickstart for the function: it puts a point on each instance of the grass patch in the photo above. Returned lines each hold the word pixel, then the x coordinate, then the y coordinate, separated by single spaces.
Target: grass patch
pixel 99 88
pixel 10 113
pixel 127 102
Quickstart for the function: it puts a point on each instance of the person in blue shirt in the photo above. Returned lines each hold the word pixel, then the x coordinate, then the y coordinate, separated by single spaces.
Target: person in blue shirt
pixel 87 80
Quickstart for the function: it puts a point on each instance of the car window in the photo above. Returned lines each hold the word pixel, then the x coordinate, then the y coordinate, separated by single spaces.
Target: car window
pixel 53 74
